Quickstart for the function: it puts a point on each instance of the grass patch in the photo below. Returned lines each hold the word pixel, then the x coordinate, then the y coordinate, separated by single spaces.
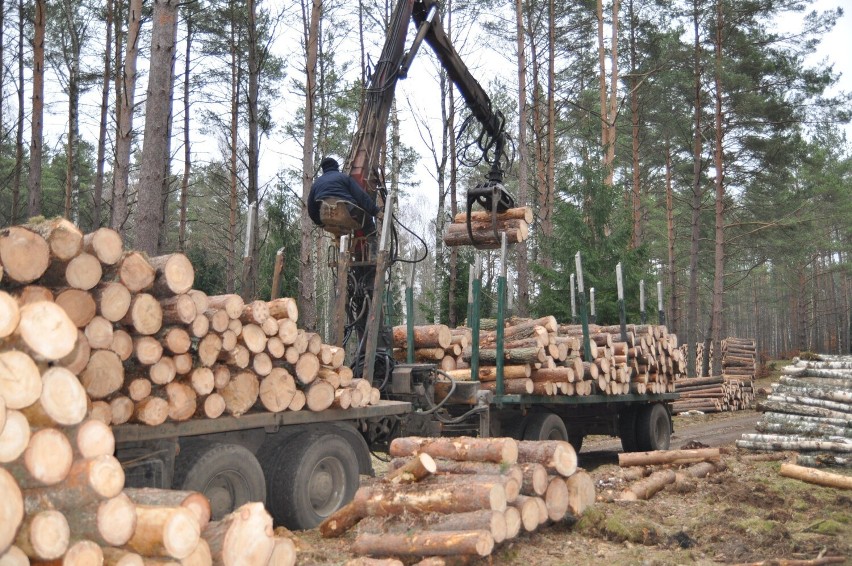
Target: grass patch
pixel 828 527
pixel 616 525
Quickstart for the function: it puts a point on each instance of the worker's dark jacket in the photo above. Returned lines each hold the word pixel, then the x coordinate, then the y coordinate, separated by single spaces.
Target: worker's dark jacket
pixel 335 184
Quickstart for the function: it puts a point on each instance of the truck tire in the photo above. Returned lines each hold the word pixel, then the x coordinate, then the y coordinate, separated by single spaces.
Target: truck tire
pixel 309 477
pixel 653 428
pixel 545 426
pixel 228 474
pixel 627 429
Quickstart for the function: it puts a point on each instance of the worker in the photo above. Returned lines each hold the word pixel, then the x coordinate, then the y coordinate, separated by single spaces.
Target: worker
pixel 333 184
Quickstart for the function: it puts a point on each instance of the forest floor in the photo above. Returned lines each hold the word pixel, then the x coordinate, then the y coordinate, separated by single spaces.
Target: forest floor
pixel 747 513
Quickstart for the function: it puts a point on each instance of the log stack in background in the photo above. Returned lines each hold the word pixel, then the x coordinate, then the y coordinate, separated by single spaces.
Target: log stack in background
pixel 462 496
pixel 732 391
pixel 543 357
pixel 810 411
pixel 92 335
pixel 514 222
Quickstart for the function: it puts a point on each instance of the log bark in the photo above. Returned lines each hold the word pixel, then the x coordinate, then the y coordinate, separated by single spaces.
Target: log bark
pixel 10 314
pixel 489 373
pixel 232 304
pixel 110 522
pixel 484 237
pixel 519 213
pixel 817 477
pixel 513 356
pixel 256 312
pixel 512 386
pixel 387 499
pixel 63 238
pixel 192 500
pixel 82 272
pixel 165 531
pixel 581 492
pixel 499 450
pixel 535 480
pixel 342 520
pixel 243 537
pixel 668 457
pixel 429 336
pixel 417 468
pixel 780 442
pixel 647 487
pixel 151 411
pixel 528 511
pixel 179 309
pixel 556 456
pixel 284 308
pixel 475 543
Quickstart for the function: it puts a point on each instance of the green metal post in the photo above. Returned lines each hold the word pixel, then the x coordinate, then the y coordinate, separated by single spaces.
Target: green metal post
pixel 584 314
pixel 409 318
pixel 622 312
pixel 470 274
pixel 474 326
pixel 501 315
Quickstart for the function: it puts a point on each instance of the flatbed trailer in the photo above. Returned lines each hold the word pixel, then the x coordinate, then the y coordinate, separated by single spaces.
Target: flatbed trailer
pixel 303 464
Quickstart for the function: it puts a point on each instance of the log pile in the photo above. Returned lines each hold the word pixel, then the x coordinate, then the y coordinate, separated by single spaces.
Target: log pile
pixel 514 222
pixel 149 348
pixel 92 335
pixel 658 469
pixel 732 391
pixel 433 344
pixel 810 411
pixel 462 496
pixel 543 357
pixel 713 394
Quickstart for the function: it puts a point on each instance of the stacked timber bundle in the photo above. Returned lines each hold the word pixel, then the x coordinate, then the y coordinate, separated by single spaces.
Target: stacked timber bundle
pixel 514 222
pixel 543 357
pixel 148 347
pixel 739 358
pixel 713 394
pixel 433 344
pixel 810 411
pixel 461 496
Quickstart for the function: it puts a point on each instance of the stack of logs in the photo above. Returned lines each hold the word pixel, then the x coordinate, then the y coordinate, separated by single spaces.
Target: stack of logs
pixel 543 357
pixel 461 496
pixel 149 348
pixel 810 411
pixel 514 222
pixel 62 496
pixel 732 391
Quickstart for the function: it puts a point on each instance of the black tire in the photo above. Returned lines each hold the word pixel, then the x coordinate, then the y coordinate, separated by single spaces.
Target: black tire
pixel 653 428
pixel 309 477
pixel 228 474
pixel 545 426
pixel 576 441
pixel 627 430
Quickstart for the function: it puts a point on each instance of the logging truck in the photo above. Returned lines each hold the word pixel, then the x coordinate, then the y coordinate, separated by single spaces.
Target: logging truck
pixel 306 464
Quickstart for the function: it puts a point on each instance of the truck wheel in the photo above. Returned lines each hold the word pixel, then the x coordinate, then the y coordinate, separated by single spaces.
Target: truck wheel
pixel 545 426
pixel 627 429
pixel 309 477
pixel 228 474
pixel 653 430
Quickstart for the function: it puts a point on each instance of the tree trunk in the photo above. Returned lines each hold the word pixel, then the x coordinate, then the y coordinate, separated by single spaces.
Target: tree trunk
pixel 816 476
pixel 647 487
pixel 307 267
pixel 124 139
pixel 523 182
pixel 719 253
pixel 557 456
pixel 102 127
pixel 19 130
pixel 37 114
pixel 158 114
pixel 668 457
pixel 697 193
pixel 187 154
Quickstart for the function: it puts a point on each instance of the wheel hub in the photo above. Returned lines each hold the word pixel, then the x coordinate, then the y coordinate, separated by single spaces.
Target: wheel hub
pixel 326 486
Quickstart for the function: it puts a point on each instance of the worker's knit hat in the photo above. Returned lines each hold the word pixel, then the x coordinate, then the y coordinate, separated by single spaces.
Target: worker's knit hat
pixel 329 164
